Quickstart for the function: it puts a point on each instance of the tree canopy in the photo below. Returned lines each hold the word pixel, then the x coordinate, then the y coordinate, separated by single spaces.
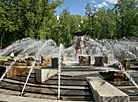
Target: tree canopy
pixel 36 19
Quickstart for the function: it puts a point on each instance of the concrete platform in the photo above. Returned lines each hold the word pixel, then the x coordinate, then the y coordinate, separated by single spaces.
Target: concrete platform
pixel 105 92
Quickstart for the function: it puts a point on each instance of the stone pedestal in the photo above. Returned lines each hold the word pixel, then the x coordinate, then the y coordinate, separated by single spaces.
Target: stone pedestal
pixel 54 62
pixel 107 59
pixel 42 75
pixel 84 60
pixel 99 61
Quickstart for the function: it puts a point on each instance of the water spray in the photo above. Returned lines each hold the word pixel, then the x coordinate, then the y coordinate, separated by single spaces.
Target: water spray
pixel 59 69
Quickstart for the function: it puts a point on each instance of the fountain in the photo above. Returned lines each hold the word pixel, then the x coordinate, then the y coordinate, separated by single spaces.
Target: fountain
pixel 117 50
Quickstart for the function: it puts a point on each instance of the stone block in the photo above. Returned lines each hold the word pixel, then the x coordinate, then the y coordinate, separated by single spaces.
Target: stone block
pixel 54 62
pixel 42 75
pixel 85 60
pixel 99 61
pixel 107 59
pixel 105 92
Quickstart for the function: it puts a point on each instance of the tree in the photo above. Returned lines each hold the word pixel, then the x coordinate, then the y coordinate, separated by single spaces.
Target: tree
pixel 88 14
pixel 8 17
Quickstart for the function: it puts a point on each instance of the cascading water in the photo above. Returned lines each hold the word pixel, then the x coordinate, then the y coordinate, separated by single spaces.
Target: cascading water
pixel 21 54
pixel 105 47
pixel 116 49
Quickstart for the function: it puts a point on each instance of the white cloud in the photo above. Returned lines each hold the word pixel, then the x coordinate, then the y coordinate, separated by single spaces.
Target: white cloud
pixel 112 1
pixel 101 5
pixel 85 4
pixel 57 17
pixel 93 1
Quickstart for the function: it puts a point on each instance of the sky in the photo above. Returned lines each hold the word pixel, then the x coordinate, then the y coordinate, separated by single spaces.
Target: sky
pixel 78 6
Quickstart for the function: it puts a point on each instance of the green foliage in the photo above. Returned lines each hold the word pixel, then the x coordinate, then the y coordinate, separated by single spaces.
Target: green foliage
pixel 36 19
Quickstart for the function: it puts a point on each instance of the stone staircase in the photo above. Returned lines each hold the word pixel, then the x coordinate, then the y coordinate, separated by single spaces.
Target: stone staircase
pixel 73 88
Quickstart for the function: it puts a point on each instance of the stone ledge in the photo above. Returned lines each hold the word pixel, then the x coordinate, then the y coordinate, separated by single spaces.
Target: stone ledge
pixel 105 92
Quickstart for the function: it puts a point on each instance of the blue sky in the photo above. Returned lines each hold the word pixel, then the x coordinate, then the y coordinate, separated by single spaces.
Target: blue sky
pixel 78 6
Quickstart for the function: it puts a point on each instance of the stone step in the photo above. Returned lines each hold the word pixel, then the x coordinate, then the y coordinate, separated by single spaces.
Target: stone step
pixel 133 74
pixel 134 67
pixel 126 87
pixel 122 83
pixel 73 73
pixel 47 86
pixel 22 79
pixel 36 97
pixel 66 82
pixel 47 91
pixel 78 98
pixel 52 82
pixel 64 77
pixel 32 75
pixel 82 69
pixel 130 92
pixel 81 78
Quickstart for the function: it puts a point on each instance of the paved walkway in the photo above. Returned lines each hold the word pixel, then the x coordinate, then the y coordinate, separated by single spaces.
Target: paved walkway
pixel 11 98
